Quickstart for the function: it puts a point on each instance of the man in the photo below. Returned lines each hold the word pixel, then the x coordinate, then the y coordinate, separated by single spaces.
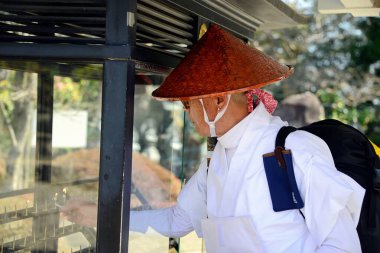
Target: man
pixel 228 202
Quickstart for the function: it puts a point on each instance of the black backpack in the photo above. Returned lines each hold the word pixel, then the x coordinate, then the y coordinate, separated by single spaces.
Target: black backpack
pixel 355 156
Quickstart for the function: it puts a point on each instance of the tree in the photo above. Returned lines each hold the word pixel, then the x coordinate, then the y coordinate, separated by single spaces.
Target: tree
pixel 336 57
pixel 17 104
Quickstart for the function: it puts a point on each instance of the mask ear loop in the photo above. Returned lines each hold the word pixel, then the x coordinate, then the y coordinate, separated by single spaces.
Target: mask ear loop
pixel 211 124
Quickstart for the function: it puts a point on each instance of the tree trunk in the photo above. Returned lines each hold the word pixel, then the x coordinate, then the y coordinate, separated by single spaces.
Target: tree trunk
pixel 19 165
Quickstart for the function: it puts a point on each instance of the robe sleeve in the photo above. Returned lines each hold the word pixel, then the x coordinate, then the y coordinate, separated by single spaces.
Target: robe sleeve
pixel 171 222
pixel 193 198
pixel 180 219
pixel 342 238
pixel 332 199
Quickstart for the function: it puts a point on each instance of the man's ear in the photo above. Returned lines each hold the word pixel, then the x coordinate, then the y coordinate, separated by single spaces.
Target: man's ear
pixel 221 101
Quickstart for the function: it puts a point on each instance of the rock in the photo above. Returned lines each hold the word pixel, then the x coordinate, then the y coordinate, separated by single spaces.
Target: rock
pixel 300 109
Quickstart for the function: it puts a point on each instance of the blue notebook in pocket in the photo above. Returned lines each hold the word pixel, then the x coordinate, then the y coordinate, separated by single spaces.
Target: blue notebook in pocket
pixel 282 182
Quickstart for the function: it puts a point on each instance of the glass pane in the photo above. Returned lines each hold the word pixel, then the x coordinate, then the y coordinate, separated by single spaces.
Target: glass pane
pixel 76 148
pixel 18 100
pixel 194 151
pixel 31 189
pixel 157 152
pixel 162 138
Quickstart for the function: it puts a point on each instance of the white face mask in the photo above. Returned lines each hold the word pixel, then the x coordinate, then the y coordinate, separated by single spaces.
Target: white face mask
pixel 211 124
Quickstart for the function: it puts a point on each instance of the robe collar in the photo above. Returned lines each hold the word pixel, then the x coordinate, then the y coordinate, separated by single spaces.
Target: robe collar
pixel 225 177
pixel 232 137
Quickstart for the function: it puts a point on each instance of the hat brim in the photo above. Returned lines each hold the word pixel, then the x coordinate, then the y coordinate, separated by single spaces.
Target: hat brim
pixel 218 64
pixel 217 94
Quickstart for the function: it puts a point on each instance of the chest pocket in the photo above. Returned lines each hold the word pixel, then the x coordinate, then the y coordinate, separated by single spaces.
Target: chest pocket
pixel 231 235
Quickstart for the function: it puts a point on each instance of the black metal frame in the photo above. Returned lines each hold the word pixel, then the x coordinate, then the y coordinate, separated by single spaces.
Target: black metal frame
pixel 116 29
pixel 117 132
pixel 44 153
pixel 115 156
pixel 119 55
pixel 64 52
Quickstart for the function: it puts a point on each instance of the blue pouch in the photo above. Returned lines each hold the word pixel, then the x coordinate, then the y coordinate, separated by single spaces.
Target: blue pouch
pixel 281 180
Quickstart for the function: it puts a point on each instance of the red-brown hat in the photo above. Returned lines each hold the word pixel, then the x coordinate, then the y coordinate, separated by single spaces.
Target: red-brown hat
pixel 220 64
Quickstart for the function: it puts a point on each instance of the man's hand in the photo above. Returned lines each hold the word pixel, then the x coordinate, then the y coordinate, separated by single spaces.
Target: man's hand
pixel 80 211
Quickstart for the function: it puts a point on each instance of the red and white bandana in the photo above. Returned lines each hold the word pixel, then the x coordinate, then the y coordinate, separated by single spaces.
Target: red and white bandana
pixel 260 96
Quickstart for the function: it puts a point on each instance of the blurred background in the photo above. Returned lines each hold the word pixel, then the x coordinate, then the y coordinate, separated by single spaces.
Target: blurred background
pixel 337 58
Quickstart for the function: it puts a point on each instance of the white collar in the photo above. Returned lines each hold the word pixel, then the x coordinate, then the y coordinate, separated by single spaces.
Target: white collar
pixel 232 137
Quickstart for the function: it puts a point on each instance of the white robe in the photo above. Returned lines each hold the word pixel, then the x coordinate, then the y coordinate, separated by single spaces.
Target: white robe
pixel 232 201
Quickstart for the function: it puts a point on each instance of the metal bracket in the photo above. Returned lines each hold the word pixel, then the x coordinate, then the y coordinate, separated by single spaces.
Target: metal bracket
pixel 131 21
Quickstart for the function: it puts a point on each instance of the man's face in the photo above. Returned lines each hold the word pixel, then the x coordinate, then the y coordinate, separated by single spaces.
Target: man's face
pixel 195 112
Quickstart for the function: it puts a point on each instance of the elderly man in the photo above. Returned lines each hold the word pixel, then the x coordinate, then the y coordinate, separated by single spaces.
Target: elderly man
pixel 228 202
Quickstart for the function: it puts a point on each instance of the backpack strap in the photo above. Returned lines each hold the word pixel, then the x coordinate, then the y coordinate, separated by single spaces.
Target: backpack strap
pixel 282 134
pixel 280 145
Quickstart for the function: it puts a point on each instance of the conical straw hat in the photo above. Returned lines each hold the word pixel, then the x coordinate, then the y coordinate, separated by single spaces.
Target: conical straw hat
pixel 220 64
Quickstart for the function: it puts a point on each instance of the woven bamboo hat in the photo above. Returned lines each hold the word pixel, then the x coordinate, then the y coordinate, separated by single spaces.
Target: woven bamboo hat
pixel 220 64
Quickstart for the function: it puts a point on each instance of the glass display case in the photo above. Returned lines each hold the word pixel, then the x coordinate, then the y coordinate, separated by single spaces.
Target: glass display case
pixel 50 153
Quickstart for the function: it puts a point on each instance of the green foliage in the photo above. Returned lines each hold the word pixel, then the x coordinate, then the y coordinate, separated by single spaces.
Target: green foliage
pixel 337 57
pixel 365 49
pixel 80 94
pixel 5 95
pixel 364 116
pixel 6 109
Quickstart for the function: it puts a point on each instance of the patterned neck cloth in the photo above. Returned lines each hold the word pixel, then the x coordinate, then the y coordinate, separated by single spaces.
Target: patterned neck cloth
pixel 254 97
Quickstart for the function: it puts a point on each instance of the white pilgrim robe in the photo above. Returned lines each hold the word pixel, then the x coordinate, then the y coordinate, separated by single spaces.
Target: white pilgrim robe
pixel 231 205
